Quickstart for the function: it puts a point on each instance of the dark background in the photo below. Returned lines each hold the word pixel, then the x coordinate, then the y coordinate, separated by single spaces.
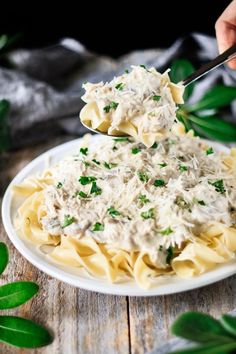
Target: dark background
pixel 112 28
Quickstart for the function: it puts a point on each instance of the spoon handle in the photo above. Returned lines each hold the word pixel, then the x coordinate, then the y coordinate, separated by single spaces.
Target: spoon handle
pixel 220 59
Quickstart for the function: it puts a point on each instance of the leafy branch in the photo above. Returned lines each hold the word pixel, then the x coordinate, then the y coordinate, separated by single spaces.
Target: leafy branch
pixel 203 116
pixel 14 330
pixel 213 336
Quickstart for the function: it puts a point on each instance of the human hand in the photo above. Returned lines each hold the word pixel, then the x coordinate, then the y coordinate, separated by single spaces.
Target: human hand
pixel 226 30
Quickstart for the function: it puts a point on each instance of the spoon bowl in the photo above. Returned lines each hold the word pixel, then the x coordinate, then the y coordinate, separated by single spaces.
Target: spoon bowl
pixel 213 64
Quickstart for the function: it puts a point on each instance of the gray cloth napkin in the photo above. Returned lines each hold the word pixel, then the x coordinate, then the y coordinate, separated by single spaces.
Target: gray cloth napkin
pixel 44 85
pixel 177 343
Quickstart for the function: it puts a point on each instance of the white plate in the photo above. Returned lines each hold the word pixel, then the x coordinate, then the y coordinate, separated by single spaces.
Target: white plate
pixel 168 285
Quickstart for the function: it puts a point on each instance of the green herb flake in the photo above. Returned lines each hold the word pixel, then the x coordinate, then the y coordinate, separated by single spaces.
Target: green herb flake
pixel 143 177
pixel 120 86
pixel 113 212
pixel 160 248
pixel 81 194
pixel 112 105
pixel 154 146
pixel 115 148
pixel 68 220
pixel 126 71
pixel 86 180
pixel 159 183
pixel 135 150
pixel 162 165
pixel 120 140
pixel 219 185
pixel 166 231
pixel 95 189
pixel 170 254
pixel 59 185
pixel 201 202
pixel 96 161
pixel 110 165
pixel 98 227
pixel 149 214
pixel 84 151
pixel 143 66
pixel 156 98
pixel 86 163
pixel 183 168
pixel 209 151
pixel 143 199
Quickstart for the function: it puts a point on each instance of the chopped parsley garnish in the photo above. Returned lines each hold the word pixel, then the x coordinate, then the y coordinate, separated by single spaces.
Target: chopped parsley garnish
pixel 98 227
pixel 59 185
pixel 113 212
pixel 119 140
pixel 143 66
pixel 84 151
pixel 170 254
pixel 183 168
pixel 114 148
pixel 68 220
pixel 154 146
pixel 110 165
pixel 201 202
pixel 112 105
pixel 126 71
pixel 95 189
pixel 135 150
pixel 167 231
pixel 120 86
pixel 219 185
pixel 159 183
pixel 209 151
pixel 86 163
pixel 149 214
pixel 96 162
pixel 86 180
pixel 143 199
pixel 160 248
pixel 181 202
pixel 81 194
pixel 162 165
pixel 143 177
pixel 156 98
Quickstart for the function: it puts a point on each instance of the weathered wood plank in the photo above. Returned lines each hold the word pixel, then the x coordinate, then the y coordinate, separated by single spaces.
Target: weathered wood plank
pixel 150 318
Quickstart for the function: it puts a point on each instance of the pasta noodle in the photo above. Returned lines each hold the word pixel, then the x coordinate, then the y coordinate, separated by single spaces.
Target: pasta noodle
pixel 198 236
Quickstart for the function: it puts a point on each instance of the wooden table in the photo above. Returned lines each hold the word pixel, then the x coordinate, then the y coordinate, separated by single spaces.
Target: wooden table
pixel 86 322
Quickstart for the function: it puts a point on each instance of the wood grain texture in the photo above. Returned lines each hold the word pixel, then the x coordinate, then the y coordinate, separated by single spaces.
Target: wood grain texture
pixel 84 322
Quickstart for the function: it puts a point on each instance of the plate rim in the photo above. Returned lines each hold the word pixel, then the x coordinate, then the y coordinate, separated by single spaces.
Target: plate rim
pixel 92 284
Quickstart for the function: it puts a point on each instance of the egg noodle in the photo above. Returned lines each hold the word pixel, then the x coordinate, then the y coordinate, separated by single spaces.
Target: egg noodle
pixel 121 210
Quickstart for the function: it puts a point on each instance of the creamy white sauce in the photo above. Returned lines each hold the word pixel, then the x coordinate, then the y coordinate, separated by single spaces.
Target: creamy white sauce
pixel 175 211
pixel 142 97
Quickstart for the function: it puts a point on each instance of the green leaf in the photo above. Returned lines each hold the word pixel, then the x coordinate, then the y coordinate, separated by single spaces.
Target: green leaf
pixel 213 127
pixel 149 214
pixel 183 119
pixel 200 328
pixel 217 348
pixel 5 140
pixel 229 324
pixel 16 294
pixel 4 257
pixel 180 69
pixel 23 333
pixel 218 96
